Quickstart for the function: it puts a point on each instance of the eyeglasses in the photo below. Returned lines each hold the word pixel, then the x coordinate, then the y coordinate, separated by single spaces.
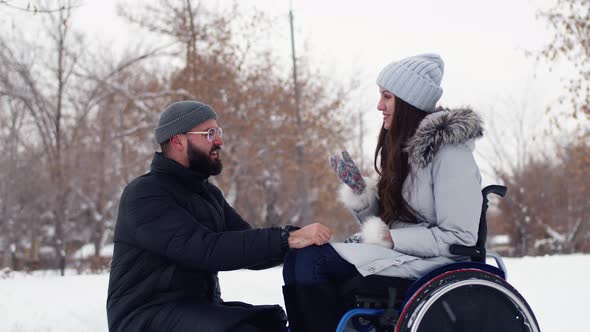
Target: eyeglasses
pixel 211 133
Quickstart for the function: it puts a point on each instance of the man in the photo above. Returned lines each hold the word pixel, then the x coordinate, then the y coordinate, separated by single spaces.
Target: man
pixel 175 231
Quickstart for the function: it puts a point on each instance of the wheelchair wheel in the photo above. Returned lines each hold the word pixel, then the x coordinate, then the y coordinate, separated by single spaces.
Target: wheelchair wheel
pixel 467 300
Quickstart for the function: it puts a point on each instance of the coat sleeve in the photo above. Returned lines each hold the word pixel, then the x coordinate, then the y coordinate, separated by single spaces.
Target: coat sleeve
pixel 165 228
pixel 235 222
pixel 363 206
pixel 457 195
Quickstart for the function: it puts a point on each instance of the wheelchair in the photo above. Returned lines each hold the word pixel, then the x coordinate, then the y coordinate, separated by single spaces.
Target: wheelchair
pixel 464 296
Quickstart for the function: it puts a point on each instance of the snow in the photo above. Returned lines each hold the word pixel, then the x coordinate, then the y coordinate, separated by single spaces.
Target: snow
pixel 500 240
pixel 87 251
pixel 556 288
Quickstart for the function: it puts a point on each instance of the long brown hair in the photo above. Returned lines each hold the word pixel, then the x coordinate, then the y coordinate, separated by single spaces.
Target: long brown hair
pixel 394 167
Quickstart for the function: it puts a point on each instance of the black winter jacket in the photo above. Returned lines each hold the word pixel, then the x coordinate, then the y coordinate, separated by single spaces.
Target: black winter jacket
pixel 174 232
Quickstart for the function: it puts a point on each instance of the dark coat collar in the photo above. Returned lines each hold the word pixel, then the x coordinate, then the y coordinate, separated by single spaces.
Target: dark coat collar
pixel 190 179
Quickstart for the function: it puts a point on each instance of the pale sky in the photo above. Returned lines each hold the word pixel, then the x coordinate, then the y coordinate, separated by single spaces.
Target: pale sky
pixel 483 45
pixel 481 42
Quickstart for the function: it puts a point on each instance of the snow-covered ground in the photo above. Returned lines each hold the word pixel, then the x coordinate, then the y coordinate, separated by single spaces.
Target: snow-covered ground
pixel 556 287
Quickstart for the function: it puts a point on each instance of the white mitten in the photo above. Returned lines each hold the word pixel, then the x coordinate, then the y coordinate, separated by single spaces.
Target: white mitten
pixel 375 231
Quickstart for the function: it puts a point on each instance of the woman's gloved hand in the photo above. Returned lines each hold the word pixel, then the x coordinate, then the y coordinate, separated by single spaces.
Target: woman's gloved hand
pixel 348 172
pixel 375 231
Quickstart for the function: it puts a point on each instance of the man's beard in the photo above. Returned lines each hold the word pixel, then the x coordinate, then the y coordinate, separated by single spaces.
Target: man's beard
pixel 202 162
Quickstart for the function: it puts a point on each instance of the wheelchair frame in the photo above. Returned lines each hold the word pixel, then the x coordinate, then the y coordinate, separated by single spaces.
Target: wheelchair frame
pixel 412 311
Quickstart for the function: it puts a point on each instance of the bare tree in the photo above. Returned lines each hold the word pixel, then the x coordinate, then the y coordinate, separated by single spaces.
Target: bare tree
pixel 254 100
pixel 551 205
pixel 510 145
pixel 43 94
pixel 569 21
pixel 78 124
pixel 11 121
pixel 545 208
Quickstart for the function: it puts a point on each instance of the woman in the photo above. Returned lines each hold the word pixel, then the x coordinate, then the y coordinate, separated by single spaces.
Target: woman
pixel 427 196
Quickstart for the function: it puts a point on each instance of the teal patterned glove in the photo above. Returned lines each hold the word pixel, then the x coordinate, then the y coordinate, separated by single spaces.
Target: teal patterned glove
pixel 348 172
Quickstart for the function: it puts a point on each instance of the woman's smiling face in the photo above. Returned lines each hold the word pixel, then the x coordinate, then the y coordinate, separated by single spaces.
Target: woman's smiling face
pixel 387 106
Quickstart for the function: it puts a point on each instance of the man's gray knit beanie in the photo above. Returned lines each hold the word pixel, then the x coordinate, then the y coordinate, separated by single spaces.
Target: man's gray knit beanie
pixel 180 117
pixel 416 80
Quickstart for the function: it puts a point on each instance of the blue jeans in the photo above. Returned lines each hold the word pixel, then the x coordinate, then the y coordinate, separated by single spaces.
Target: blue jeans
pixel 316 265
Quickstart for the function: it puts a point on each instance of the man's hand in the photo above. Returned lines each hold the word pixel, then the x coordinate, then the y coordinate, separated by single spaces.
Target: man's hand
pixel 315 233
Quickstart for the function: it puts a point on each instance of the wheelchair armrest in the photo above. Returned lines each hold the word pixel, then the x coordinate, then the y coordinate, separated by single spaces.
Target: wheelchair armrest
pixel 494 189
pixel 473 252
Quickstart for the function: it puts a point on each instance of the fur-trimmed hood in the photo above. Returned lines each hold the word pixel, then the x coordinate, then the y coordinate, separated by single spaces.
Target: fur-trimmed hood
pixel 445 126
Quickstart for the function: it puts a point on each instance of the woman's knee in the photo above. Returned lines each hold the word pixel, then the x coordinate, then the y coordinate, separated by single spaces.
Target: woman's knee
pixel 299 261
pixel 305 257
pixel 307 265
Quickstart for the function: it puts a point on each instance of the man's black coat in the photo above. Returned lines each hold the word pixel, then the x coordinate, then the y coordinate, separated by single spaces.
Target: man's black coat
pixel 174 232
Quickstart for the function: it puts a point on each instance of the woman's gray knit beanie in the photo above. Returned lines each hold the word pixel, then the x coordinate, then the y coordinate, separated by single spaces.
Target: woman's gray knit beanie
pixel 416 80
